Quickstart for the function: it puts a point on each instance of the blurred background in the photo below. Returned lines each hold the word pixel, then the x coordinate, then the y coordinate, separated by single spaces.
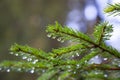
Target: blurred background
pixel 25 21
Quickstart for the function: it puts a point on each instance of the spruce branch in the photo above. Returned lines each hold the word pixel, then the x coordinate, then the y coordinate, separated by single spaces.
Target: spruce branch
pixel 102 32
pixel 64 76
pixel 113 9
pixel 49 75
pixel 62 63
pixel 24 66
pixel 65 50
pixel 18 50
pixel 66 33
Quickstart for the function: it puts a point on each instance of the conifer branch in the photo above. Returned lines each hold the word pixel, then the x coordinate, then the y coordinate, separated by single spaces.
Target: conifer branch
pixel 65 50
pixel 67 34
pixel 87 57
pixel 15 65
pixel 16 49
pixel 59 63
pixel 113 9
pixel 64 75
pixel 48 75
pixel 102 32
pixel 101 67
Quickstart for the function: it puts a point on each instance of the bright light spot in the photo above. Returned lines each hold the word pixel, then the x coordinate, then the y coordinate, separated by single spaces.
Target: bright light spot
pixel 32 71
pixel 74 15
pixel 73 19
pixel 101 4
pixel 95 60
pixel 105 59
pixel 90 12
pixel 116 1
pixel 105 75
pixel 115 38
pixel 8 70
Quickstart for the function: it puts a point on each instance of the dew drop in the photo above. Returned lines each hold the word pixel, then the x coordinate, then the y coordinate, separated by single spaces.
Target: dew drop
pixel 8 70
pixel 32 71
pixel 24 57
pixel 96 57
pixel 73 56
pixel 29 59
pixel 16 54
pixel 78 66
pixel 105 75
pixel 105 59
pixel 19 69
pixel 35 61
pixel 74 72
pixel 43 70
pixel 77 54
pixel 118 65
pixel 59 39
pixel 85 61
pixel 53 37
pixel 96 72
pixel 69 67
pixel 49 35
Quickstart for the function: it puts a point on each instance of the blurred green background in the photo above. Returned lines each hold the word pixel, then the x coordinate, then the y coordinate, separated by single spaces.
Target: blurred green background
pixel 24 22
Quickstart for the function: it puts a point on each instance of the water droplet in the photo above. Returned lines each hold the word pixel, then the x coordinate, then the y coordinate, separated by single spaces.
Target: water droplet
pixel 96 72
pixel 32 71
pixel 77 54
pixel 19 69
pixel 73 56
pixel 53 37
pixel 68 66
pixel 16 54
pixel 74 72
pixel 29 59
pixel 105 59
pixel 35 61
pixel 78 66
pixel 43 70
pixel 105 75
pixel 85 61
pixel 96 57
pixel 8 70
pixel 59 39
pixel 118 65
pixel 49 35
pixel 24 57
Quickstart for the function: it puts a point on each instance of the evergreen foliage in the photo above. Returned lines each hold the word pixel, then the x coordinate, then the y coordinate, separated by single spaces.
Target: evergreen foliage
pixel 113 9
pixel 72 62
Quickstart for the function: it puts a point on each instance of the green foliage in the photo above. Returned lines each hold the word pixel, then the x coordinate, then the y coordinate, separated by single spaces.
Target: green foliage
pixel 113 9
pixel 72 62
